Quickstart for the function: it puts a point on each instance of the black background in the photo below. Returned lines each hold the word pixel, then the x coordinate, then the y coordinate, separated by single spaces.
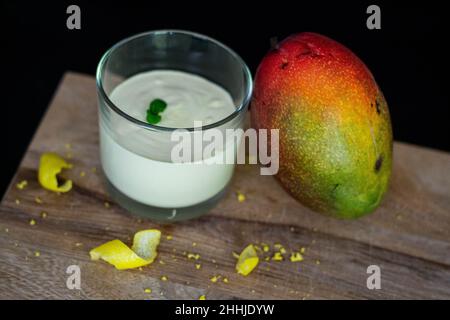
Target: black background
pixel 408 56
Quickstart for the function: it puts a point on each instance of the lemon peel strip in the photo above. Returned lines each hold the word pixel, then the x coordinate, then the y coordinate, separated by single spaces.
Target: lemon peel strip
pixel 50 165
pixel 247 261
pixel 117 253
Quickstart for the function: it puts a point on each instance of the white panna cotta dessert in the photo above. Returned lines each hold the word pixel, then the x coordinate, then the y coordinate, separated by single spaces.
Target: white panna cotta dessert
pixel 155 180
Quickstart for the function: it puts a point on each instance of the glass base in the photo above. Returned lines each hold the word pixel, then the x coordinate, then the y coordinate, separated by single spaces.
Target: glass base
pixel 158 214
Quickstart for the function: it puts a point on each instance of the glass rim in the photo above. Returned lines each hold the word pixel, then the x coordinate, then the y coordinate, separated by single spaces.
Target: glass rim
pixel 104 59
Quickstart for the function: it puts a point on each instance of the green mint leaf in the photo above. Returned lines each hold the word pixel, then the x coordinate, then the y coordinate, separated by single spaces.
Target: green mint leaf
pixel 157 106
pixel 153 118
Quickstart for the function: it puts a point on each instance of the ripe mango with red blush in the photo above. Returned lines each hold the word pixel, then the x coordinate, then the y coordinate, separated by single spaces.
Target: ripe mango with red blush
pixel 334 126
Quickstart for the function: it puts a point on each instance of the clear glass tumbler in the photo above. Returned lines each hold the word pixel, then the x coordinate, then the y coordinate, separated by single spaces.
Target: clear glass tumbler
pixel 136 156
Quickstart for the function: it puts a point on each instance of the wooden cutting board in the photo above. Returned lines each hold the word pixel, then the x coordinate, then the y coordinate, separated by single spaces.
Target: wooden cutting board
pixel 408 237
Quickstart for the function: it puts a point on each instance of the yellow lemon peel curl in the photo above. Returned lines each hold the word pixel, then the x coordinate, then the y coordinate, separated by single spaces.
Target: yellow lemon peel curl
pixel 117 253
pixel 50 166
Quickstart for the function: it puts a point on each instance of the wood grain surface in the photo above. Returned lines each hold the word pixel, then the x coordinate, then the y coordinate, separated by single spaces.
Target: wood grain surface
pixel 408 237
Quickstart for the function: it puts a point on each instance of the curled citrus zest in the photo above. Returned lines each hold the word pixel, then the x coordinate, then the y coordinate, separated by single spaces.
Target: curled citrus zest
pixel 50 166
pixel 248 260
pixel 117 253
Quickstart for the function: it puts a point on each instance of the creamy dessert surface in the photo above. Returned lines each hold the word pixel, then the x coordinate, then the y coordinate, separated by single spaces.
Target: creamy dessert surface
pixel 189 98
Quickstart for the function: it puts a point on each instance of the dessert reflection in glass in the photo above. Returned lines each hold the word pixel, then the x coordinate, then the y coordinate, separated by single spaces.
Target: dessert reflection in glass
pixel 150 85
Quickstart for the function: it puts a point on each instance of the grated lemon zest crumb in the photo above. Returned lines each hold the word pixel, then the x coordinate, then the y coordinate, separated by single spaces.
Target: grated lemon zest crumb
pixel 194 256
pixel 22 184
pixel 240 197
pixel 296 257
pixel 277 256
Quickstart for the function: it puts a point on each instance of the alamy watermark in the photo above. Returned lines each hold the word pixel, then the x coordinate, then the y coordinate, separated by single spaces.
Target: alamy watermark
pixel 74 279
pixel 374 280
pixel 73 21
pixel 374 20
pixel 227 146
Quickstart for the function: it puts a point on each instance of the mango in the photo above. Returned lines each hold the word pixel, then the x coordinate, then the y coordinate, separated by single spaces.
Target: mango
pixel 335 135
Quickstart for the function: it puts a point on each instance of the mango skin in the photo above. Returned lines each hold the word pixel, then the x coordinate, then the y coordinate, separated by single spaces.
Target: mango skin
pixel 335 129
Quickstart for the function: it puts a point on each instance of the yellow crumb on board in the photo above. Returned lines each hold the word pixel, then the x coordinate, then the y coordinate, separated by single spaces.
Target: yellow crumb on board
pixel 202 297
pixel 194 256
pixel 240 196
pixel 22 184
pixel 247 261
pixel 277 256
pixel 296 257
pixel 32 222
